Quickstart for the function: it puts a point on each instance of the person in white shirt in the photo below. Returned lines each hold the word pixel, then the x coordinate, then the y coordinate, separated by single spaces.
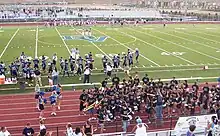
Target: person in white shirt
pixel 87 73
pixel 69 130
pixel 43 129
pixel 4 132
pixel 77 132
pixel 54 58
pixel 109 70
pixel 73 53
pixel 77 54
pixel 140 129
pixel 216 129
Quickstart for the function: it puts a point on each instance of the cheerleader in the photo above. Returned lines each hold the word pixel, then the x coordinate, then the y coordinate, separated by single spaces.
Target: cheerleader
pixel 59 97
pixel 53 100
pixel 42 102
pixel 37 93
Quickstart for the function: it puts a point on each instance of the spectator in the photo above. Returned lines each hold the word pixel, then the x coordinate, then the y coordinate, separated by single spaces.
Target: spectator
pixel 211 125
pixel 43 130
pixel 191 130
pixel 77 132
pixel 28 130
pixel 87 129
pixel 140 129
pixel 216 129
pixel 69 130
pixel 4 132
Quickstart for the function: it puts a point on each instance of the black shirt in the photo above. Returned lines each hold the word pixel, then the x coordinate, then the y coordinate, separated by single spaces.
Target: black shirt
pixel 115 80
pixel 90 100
pixel 37 72
pixel 83 97
pixel 195 87
pixel 125 112
pixel 174 82
pixel 206 89
pixel 100 97
pixel 101 117
pixel 218 113
pixel 28 131
pixel 145 80
pixel 104 83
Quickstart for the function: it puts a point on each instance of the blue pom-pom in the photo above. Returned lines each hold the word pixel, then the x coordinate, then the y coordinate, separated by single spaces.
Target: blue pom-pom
pixel 42 93
pixel 54 88
pixel 45 101
pixel 58 89
pixel 219 79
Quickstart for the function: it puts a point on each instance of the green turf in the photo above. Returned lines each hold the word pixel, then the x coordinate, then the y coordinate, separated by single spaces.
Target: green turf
pixel 159 48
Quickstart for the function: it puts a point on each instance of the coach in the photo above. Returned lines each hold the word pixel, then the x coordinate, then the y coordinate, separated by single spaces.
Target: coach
pixel 87 73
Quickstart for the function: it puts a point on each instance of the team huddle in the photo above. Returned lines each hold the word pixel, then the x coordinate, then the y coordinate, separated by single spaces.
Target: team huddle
pixel 126 61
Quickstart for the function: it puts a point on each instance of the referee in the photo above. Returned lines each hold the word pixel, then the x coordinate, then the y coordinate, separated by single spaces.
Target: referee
pixel 87 73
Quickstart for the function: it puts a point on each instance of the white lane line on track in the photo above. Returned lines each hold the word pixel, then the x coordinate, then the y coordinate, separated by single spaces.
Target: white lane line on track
pixel 34 107
pixel 33 102
pixel 9 42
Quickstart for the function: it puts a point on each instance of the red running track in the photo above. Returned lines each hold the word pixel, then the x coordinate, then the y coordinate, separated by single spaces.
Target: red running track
pixel 17 110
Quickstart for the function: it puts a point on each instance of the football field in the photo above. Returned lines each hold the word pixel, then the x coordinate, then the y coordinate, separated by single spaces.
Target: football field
pixel 176 50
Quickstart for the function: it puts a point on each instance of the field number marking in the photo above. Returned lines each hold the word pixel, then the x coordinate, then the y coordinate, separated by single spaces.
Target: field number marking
pixel 110 55
pixel 172 53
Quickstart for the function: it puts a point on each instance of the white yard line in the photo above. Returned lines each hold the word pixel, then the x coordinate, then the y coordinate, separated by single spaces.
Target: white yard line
pixel 127 47
pixel 63 41
pixel 207 33
pixel 184 46
pixel 165 70
pixel 36 45
pixel 156 46
pixel 9 42
pixel 199 37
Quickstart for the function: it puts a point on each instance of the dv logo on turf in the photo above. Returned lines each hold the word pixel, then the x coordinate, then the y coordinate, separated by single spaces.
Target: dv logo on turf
pixel 87 38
